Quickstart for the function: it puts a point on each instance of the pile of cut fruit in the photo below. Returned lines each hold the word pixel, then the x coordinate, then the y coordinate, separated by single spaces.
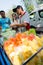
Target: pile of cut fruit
pixel 22 47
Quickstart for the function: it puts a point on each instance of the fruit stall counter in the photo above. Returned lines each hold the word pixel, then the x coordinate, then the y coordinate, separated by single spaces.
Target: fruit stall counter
pixel 24 47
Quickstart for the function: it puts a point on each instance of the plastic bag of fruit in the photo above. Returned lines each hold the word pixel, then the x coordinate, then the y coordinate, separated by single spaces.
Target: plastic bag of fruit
pixel 8 33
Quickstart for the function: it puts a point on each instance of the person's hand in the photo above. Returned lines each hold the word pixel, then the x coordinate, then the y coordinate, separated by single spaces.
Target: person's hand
pixel 11 25
pixel 25 24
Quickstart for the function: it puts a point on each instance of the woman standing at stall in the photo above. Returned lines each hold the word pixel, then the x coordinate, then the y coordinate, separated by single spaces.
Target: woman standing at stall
pixel 15 20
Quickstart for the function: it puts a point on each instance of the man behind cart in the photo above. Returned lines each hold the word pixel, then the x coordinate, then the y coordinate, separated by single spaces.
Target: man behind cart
pixel 23 17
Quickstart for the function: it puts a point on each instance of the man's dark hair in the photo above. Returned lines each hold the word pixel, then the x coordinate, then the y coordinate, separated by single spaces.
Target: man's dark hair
pixel 2 11
pixel 18 7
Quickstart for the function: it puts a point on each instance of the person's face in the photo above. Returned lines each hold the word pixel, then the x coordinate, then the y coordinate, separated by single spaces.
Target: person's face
pixel 2 14
pixel 13 16
pixel 19 11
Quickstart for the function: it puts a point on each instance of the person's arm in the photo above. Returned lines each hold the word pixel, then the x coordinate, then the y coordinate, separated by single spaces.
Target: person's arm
pixel 19 25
